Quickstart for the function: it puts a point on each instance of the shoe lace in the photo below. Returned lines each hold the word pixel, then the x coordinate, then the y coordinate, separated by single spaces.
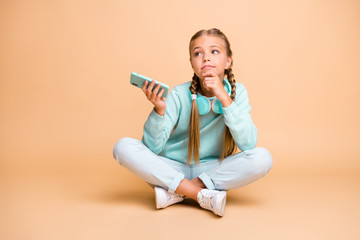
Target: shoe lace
pixel 174 197
pixel 206 200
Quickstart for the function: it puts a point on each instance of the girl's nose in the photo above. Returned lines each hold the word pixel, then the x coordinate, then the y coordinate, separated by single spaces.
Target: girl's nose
pixel 206 58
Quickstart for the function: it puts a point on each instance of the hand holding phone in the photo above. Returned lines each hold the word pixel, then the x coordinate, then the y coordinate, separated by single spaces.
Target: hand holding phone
pixel 138 80
pixel 153 90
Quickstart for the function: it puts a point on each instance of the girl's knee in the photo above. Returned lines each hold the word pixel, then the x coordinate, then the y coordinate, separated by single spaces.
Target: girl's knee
pixel 264 157
pixel 123 145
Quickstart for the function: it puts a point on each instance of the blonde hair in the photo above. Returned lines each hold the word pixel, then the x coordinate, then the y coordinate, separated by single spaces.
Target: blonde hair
pixel 229 147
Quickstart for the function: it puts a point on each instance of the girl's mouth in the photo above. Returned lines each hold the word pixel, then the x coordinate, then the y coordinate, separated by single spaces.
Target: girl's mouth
pixel 207 67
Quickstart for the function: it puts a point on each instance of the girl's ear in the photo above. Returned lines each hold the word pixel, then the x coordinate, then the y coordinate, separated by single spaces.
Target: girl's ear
pixel 228 62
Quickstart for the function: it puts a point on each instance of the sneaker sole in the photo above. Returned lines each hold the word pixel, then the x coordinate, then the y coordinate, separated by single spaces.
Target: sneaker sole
pixel 158 192
pixel 222 201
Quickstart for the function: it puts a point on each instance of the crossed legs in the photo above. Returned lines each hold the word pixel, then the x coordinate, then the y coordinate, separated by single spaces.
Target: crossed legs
pixel 235 171
pixel 190 188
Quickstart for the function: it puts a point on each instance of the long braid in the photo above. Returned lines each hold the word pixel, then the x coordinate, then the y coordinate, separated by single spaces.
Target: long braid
pixel 229 143
pixel 194 135
pixel 230 77
pixel 194 84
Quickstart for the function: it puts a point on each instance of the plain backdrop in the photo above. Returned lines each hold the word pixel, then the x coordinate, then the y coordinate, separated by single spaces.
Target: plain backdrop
pixel 65 68
pixel 65 97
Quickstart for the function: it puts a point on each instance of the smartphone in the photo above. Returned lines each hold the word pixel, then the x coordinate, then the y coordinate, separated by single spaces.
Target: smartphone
pixel 138 80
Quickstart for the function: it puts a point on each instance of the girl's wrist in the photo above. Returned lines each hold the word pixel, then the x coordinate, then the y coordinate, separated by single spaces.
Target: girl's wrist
pixel 160 111
pixel 225 101
pixel 224 98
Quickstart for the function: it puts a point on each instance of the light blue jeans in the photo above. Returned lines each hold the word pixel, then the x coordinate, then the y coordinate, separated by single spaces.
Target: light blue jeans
pixel 234 172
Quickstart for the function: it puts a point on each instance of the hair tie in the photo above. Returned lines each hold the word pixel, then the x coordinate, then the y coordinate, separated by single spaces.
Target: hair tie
pixel 193 96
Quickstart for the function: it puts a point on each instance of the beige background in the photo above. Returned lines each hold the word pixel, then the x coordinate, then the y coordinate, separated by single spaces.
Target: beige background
pixel 65 99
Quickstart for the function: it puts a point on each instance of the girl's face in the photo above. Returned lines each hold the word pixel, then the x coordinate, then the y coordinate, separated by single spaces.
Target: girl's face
pixel 208 53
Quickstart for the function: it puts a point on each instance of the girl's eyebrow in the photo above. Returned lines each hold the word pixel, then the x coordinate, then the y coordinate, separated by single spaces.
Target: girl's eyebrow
pixel 210 46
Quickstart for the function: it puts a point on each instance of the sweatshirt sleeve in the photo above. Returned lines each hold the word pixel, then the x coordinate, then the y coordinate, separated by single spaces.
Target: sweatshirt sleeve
pixel 237 118
pixel 157 128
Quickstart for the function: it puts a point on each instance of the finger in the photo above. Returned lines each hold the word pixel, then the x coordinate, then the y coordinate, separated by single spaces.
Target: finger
pixel 209 81
pixel 151 86
pixel 156 90
pixel 145 90
pixel 212 84
pixel 153 94
pixel 209 74
pixel 149 90
pixel 160 94
pixel 209 84
pixel 206 85
pixel 144 86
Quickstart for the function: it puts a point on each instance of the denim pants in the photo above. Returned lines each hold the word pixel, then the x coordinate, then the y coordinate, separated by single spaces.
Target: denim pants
pixel 234 172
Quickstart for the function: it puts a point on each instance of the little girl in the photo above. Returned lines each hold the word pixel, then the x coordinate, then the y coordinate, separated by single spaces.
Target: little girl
pixel 189 144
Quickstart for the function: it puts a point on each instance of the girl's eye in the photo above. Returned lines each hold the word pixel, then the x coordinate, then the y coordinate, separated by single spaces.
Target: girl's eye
pixel 215 51
pixel 197 53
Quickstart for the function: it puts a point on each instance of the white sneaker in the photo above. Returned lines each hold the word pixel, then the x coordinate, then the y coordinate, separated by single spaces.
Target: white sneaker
pixel 164 198
pixel 212 200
